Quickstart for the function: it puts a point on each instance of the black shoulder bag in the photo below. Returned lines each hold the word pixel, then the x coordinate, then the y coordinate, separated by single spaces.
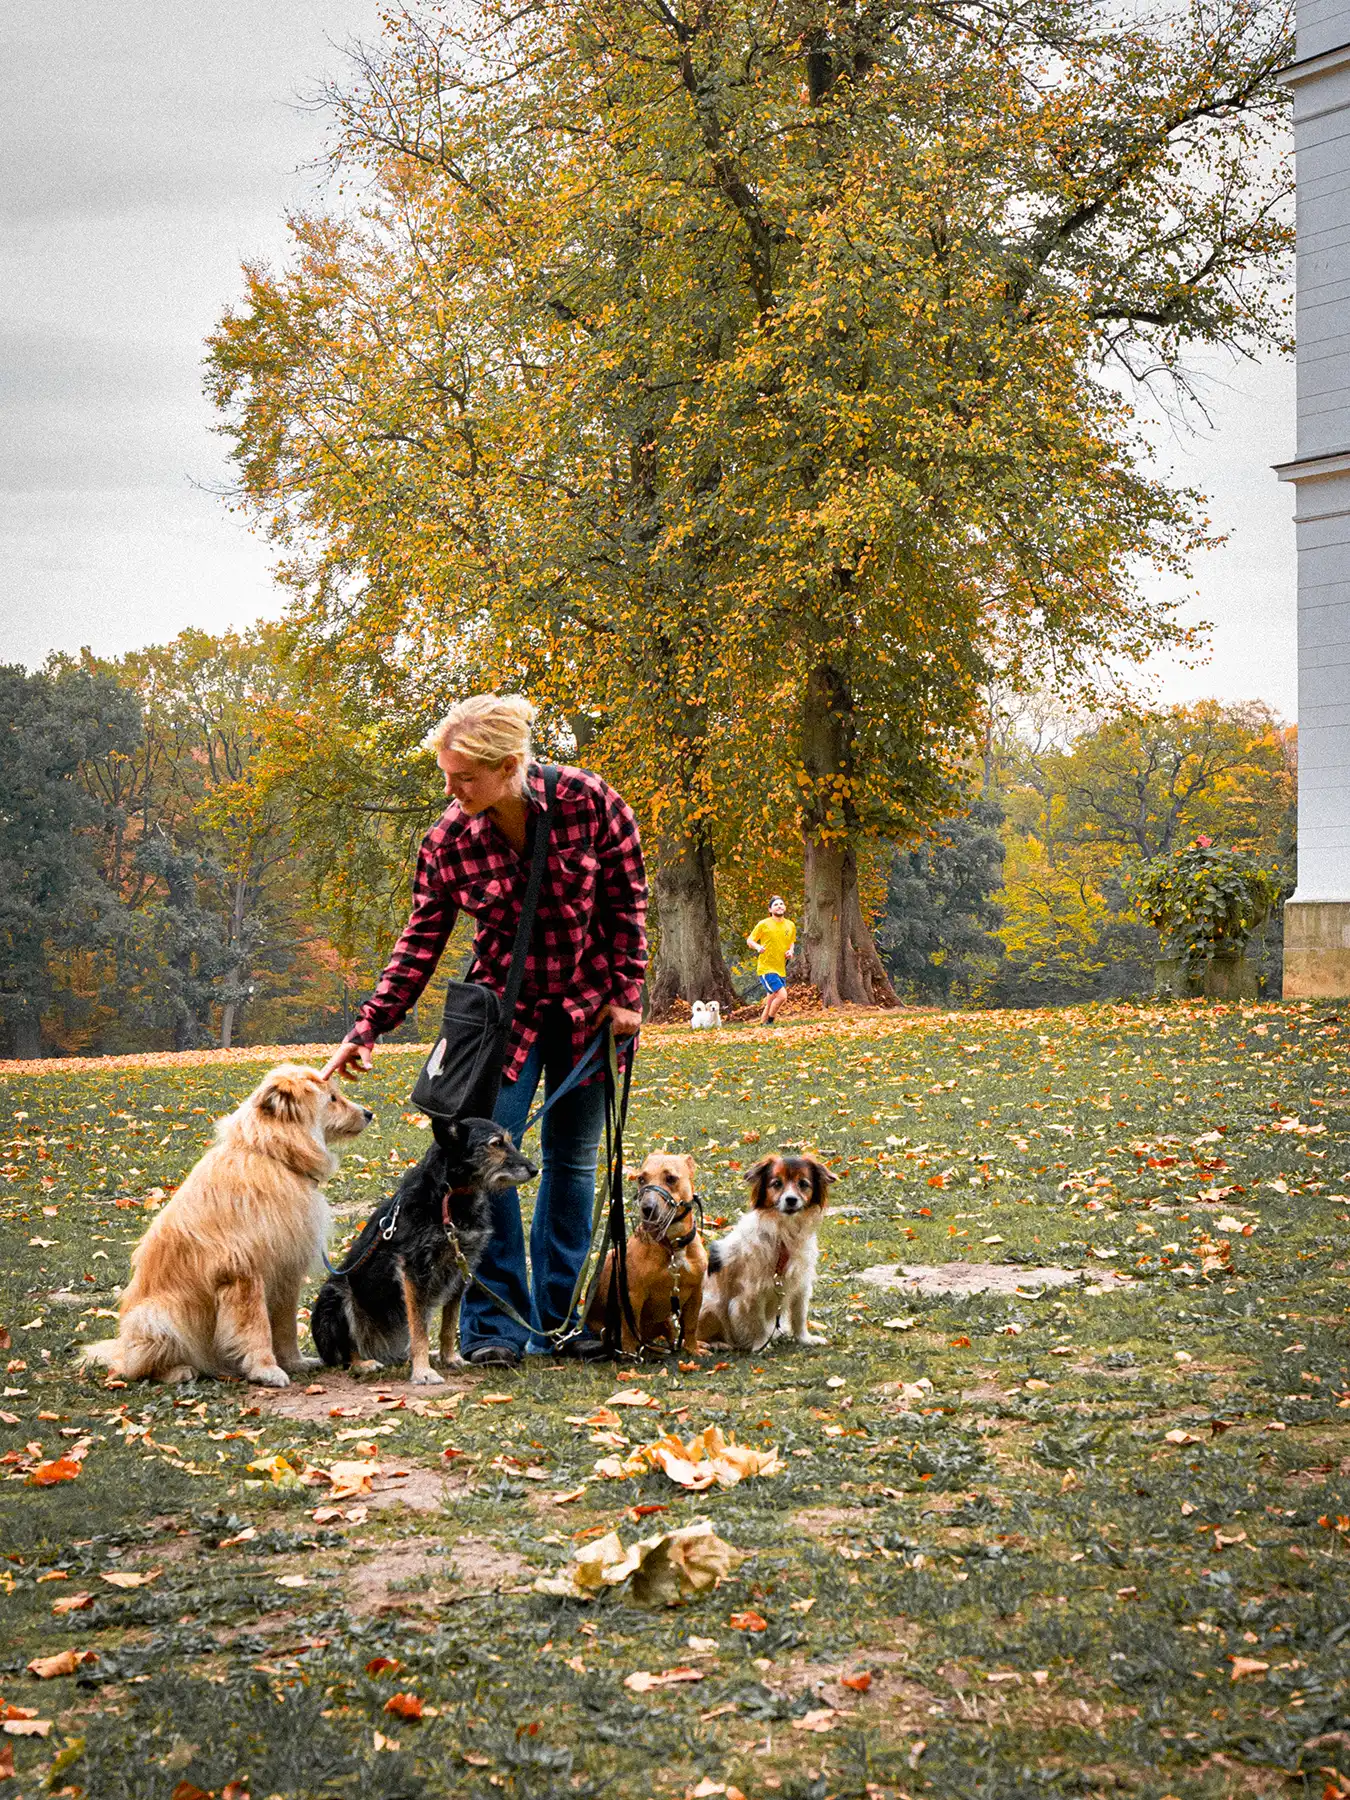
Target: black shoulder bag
pixel 461 1077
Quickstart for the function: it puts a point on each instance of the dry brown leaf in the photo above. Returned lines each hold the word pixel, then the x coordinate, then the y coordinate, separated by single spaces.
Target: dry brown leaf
pixel 130 1578
pixel 1246 1665
pixel 28 1727
pixel 823 1718
pixel 641 1680
pixel 658 1571
pixel 69 1603
pixel 65 1662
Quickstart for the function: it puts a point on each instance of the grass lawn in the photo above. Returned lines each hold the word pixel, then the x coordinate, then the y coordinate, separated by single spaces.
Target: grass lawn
pixel 1106 1550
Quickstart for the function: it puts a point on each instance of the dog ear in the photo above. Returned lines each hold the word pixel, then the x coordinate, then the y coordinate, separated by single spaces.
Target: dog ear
pixel 688 1162
pixel 448 1133
pixel 757 1176
pixel 286 1095
pixel 821 1179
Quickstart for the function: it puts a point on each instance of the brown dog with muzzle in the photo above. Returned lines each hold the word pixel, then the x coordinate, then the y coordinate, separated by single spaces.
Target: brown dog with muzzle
pixel 665 1257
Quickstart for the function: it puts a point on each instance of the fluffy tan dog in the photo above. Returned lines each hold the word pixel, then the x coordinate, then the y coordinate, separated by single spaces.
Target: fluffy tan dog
pixel 216 1279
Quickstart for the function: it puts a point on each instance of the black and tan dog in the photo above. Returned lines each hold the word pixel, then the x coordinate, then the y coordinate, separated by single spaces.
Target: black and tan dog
pixel 665 1259
pixel 417 1252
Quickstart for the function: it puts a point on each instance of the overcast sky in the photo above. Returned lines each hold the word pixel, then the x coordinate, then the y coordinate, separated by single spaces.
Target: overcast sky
pixel 148 148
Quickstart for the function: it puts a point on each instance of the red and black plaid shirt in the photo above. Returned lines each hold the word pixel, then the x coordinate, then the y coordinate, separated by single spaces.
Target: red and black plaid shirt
pixel 589 944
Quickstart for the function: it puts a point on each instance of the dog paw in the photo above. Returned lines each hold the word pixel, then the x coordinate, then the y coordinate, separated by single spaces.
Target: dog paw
pixel 454 1361
pixel 273 1377
pixel 811 1337
pixel 426 1378
pixel 366 1365
pixel 182 1372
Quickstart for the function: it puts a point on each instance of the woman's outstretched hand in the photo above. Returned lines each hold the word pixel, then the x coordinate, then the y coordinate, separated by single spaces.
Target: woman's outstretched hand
pixel 348 1060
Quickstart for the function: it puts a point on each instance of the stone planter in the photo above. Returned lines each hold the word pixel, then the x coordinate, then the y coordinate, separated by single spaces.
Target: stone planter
pixel 1224 978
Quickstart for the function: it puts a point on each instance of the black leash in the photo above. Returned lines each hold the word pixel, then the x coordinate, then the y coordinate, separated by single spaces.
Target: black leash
pixel 618 1306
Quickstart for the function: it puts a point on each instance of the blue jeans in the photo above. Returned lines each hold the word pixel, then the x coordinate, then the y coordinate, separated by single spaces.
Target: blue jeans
pixel 560 1234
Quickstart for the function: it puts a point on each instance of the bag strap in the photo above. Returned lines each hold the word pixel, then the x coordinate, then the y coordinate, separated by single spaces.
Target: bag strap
pixel 529 906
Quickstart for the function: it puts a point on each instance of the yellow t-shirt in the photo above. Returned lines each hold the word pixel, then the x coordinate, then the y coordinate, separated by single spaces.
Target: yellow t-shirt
pixel 775 937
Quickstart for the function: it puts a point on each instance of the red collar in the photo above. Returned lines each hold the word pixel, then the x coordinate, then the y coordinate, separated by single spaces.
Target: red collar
pixel 784 1258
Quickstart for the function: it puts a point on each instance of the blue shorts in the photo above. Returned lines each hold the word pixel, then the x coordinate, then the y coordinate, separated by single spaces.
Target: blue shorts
pixel 772 984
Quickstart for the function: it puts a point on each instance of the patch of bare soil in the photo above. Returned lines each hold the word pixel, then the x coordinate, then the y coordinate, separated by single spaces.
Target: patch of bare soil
pixel 421 1490
pixel 415 1571
pixel 823 1521
pixel 977 1278
pixel 363 1397
pixel 478 1563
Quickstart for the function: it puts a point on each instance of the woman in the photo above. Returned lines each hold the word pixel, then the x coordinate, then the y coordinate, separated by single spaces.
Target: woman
pixel 585 968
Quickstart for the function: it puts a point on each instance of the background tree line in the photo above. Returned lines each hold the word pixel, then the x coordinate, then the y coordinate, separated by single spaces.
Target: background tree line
pixel 160 890
pixel 747 383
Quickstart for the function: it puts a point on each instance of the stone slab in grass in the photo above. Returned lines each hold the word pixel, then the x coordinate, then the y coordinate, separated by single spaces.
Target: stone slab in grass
pixel 980 1278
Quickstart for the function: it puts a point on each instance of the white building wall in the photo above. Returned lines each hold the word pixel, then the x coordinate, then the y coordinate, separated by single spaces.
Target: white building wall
pixel 1317 919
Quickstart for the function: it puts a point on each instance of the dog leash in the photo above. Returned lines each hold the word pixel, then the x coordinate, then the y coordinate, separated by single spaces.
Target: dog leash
pixel 616 1115
pixel 385 1227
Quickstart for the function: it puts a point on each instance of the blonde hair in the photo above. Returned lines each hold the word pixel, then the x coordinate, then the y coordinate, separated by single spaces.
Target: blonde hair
pixel 488 727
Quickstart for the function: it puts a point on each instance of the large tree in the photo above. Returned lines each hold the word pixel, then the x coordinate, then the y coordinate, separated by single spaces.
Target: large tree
pixel 701 367
pixel 53 904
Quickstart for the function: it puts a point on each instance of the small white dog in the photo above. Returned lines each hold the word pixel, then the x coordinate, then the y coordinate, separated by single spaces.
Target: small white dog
pixel 760 1275
pixel 707 1015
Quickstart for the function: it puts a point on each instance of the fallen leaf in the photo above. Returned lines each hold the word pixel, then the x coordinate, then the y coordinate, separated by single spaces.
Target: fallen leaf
pixel 748 1621
pixel 824 1718
pixel 405 1706
pixel 235 1790
pixel 641 1680
pixel 898 1324
pixel 703 1646
pixel 65 1662
pixel 69 1603
pixel 1246 1665
pixel 1004 1675
pixel 28 1727
pixel 292 1581
pixel 349 1479
pixel 660 1570
pixel 1181 1437
pixel 130 1578
pixel 379 1665
pixel 186 1790
pixel 631 1397
pixel 495 1399
pixel 47 1474
pixel 859 1682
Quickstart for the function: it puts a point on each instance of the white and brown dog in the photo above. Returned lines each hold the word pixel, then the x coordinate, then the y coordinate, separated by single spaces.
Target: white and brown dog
pixel 216 1279
pixel 760 1275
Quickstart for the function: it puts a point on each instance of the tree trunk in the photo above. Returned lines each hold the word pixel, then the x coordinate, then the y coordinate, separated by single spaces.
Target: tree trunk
pixel 689 964
pixel 237 917
pixel 837 952
pixel 25 1025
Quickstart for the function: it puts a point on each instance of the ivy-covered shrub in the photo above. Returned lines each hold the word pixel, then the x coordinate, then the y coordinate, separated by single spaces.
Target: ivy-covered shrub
pixel 1204 901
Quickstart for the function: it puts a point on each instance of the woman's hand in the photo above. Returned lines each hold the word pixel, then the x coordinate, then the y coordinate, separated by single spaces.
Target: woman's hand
pixel 625 1021
pixel 348 1060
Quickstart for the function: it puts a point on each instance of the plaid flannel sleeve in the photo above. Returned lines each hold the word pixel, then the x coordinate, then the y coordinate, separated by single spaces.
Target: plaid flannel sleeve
pixel 623 885
pixel 414 957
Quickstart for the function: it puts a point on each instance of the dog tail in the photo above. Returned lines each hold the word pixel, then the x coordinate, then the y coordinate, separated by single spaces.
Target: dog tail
pixel 149 1344
pixel 330 1326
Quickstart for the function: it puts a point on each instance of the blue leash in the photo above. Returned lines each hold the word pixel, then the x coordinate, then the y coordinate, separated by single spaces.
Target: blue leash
pixel 385 1227
pixel 588 1056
